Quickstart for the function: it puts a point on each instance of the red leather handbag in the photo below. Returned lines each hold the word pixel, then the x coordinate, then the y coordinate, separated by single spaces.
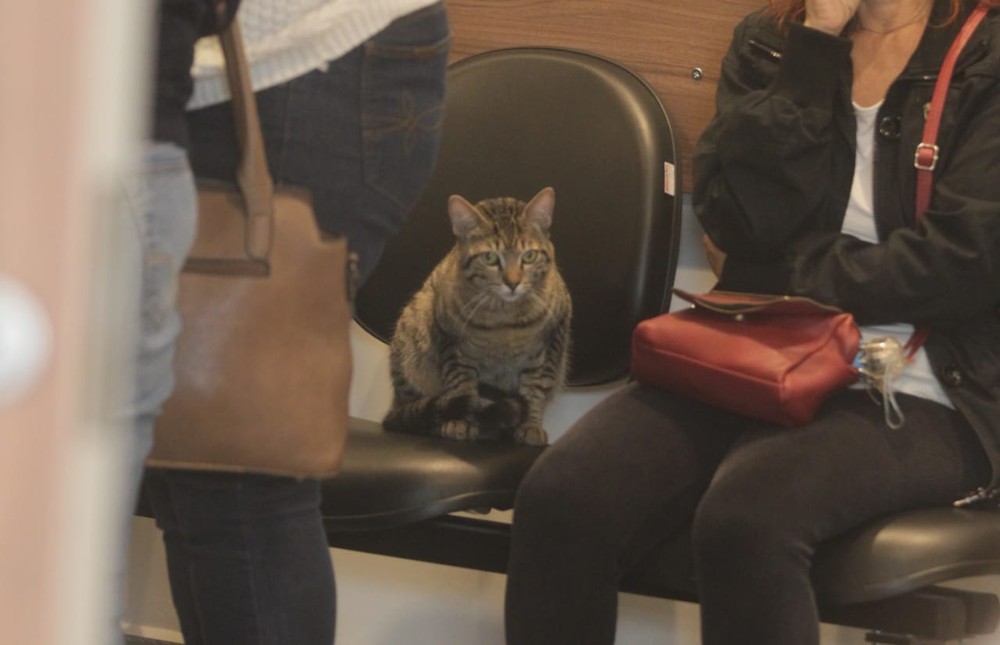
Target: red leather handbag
pixel 774 358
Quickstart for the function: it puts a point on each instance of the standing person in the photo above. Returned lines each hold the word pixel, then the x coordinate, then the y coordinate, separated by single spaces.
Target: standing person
pixel 804 183
pixel 350 95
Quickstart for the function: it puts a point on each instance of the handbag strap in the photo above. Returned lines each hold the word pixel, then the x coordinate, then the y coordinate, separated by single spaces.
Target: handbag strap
pixel 926 157
pixel 252 175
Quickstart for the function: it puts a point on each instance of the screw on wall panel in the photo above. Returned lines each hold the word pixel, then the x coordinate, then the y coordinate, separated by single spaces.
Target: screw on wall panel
pixel 697 74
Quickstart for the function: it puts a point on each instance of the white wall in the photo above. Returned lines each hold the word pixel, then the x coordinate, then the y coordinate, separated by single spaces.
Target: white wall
pixel 389 601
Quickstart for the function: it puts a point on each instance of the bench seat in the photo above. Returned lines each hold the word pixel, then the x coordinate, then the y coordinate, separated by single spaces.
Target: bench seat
pixel 396 494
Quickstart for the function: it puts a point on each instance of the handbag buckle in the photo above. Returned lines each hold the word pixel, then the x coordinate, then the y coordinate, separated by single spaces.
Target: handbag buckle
pixel 926 156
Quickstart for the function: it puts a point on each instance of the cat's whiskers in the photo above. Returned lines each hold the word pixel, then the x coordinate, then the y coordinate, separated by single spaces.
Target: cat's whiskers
pixel 475 304
pixel 469 306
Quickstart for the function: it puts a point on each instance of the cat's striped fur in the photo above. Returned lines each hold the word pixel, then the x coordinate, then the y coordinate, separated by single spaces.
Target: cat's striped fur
pixel 484 344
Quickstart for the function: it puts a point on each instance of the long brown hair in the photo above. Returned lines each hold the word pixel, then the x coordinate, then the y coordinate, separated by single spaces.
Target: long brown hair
pixel 795 10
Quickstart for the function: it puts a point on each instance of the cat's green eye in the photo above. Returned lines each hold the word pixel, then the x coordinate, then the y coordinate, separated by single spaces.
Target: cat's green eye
pixel 529 256
pixel 491 258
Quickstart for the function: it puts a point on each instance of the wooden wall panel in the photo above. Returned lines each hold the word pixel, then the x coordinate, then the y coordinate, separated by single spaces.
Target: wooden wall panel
pixel 664 41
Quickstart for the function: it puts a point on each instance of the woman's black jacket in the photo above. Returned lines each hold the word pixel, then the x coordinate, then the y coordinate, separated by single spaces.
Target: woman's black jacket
pixel 773 173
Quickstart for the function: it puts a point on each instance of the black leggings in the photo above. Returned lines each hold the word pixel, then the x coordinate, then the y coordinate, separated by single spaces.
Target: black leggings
pixel 643 465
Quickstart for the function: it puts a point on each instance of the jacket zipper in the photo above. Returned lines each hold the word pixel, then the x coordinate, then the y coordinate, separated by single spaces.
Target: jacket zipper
pixel 768 51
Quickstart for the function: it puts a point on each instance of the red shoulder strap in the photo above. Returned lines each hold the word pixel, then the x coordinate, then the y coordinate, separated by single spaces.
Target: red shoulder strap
pixel 926 156
pixel 925 159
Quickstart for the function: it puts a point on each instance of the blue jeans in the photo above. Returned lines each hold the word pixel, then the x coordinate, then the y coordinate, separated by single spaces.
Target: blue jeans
pixel 247 555
pixel 160 230
pixel 166 219
pixel 247 558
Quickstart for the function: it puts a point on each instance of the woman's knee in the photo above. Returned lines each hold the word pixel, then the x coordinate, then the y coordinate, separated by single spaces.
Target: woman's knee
pixel 547 497
pixel 729 525
pixel 559 501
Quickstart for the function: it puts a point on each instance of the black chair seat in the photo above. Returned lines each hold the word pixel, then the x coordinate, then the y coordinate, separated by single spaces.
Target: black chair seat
pixel 389 479
pixel 888 557
pixel 907 551
pixel 395 491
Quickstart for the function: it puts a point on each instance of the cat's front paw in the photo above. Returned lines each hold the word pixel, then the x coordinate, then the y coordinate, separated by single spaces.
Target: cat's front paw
pixel 531 435
pixel 459 429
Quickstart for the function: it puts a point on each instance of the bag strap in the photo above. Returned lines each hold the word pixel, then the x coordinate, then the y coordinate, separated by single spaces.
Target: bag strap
pixel 252 176
pixel 926 157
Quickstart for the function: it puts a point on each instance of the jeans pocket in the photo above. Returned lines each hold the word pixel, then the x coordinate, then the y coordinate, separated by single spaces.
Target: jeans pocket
pixel 402 102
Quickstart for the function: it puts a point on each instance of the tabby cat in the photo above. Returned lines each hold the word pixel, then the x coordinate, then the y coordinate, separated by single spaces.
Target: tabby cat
pixel 484 344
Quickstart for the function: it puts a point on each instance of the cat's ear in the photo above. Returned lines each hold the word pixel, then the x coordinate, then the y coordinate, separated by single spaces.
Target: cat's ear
pixel 539 209
pixel 465 218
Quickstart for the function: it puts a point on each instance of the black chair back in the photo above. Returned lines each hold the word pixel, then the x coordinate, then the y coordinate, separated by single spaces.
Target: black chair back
pixel 517 120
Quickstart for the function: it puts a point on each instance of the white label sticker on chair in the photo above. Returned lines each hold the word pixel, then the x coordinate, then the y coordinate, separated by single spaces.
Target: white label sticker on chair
pixel 669 178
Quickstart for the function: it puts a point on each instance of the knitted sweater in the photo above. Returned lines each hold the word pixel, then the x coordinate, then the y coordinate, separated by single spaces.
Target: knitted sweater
pixel 287 38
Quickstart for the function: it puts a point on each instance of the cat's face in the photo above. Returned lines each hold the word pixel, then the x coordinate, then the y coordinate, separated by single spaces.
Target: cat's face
pixel 508 272
pixel 505 245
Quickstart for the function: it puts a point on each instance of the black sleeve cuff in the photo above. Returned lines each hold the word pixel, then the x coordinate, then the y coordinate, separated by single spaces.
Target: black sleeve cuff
pixel 811 66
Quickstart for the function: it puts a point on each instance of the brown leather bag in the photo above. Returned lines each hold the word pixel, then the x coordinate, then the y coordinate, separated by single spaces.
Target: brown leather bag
pixel 263 362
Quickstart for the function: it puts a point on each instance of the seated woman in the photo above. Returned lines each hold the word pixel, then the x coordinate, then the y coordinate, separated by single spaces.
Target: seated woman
pixel 804 185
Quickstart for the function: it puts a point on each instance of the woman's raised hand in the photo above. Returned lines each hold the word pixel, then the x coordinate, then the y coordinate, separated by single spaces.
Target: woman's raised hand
pixel 830 16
